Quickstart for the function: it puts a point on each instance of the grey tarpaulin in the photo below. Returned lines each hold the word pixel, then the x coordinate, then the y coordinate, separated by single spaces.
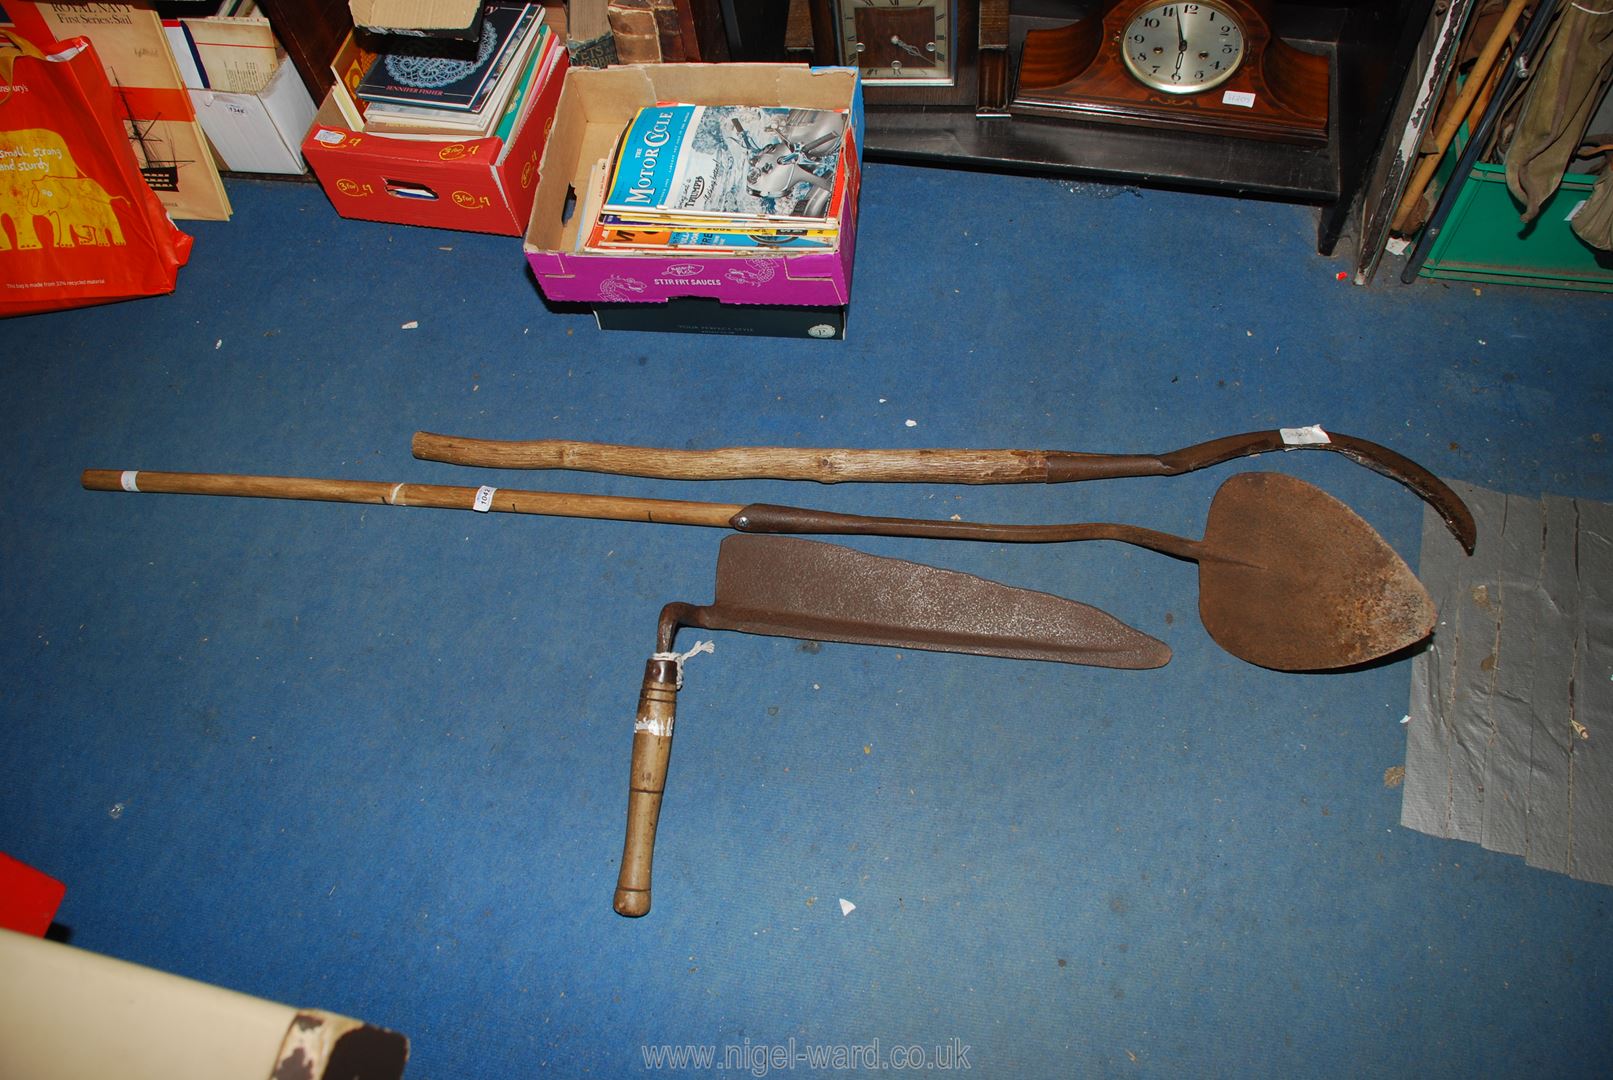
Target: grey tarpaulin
pixel 1510 738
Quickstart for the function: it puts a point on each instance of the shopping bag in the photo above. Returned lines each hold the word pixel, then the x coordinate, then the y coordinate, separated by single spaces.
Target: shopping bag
pixel 78 225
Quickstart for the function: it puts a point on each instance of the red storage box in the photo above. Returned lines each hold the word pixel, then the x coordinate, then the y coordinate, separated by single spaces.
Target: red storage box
pixel 478 185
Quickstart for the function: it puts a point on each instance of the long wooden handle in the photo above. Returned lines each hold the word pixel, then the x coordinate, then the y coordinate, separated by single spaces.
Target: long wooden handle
pixel 652 747
pixel 1477 79
pixel 440 496
pixel 752 518
pixel 740 462
pixel 933 466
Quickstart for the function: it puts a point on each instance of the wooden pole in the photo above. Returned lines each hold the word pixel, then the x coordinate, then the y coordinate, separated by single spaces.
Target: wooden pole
pixel 439 496
pixel 1476 82
pixel 826 466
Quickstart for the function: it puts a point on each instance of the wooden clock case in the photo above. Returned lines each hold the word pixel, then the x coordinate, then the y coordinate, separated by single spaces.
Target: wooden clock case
pixel 979 58
pixel 1076 72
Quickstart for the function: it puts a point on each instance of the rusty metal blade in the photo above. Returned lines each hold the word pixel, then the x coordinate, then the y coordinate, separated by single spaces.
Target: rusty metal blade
pixel 785 587
pixel 1291 578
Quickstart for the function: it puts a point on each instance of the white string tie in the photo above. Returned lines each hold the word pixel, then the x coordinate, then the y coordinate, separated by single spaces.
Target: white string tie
pixel 678 658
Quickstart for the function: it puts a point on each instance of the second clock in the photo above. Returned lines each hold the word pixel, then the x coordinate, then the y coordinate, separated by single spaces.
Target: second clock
pixel 898 41
pixel 950 53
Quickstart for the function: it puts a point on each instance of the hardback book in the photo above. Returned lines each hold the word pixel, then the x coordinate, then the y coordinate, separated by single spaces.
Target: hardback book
pixel 183 47
pixel 351 61
pixel 761 163
pixel 238 54
pixel 539 66
pixel 652 31
pixel 433 75
pixel 387 118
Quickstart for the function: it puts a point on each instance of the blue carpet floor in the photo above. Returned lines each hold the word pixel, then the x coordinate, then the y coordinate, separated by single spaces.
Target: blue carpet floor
pixel 374 760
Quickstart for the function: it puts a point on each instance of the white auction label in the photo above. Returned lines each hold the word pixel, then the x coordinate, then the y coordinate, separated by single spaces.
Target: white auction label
pixel 1304 436
pixel 1241 98
pixel 484 499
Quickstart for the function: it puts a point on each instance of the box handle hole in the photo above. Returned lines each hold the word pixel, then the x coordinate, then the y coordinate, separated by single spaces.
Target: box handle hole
pixel 407 189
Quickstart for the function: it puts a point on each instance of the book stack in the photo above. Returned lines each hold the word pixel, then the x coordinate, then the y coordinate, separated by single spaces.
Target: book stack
pixel 447 90
pixel 728 177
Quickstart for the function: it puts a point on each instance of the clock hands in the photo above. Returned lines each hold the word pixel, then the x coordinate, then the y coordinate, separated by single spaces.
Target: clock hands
pixel 905 47
pixel 1181 42
pixel 1214 42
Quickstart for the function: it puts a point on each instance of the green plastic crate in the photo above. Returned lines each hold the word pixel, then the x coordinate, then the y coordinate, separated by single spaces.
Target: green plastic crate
pixel 1483 239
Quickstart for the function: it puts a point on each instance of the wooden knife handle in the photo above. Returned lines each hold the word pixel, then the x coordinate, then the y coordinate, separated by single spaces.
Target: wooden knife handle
pixel 652 746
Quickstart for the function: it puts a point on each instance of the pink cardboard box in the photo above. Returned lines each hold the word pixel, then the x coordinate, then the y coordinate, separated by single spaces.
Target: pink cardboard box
pixel 596 105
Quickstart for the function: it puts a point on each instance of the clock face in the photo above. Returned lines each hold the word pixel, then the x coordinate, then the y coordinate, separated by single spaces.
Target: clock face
pixel 1182 48
pixel 898 41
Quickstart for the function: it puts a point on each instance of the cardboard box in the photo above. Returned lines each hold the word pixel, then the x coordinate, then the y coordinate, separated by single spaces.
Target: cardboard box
pixel 477 185
pixel 262 132
pixel 419 18
pixel 597 104
pixel 703 315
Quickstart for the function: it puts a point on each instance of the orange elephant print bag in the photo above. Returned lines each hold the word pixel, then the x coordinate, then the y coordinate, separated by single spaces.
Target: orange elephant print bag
pixel 78 225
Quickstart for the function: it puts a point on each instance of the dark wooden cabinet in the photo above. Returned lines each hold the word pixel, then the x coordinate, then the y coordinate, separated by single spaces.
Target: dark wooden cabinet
pixel 311 31
pixel 1368 44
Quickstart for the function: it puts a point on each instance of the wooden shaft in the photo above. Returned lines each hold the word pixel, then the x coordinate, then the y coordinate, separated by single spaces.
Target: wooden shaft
pixel 652 747
pixel 753 518
pixel 741 462
pixel 439 496
pixel 929 466
pixel 1482 102
pixel 925 466
pixel 1476 81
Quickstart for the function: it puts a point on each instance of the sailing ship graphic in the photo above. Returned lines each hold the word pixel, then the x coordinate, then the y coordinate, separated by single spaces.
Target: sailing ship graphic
pixel 161 173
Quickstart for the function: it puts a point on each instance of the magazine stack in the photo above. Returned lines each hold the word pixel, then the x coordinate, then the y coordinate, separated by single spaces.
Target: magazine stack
pixel 722 177
pixel 435 89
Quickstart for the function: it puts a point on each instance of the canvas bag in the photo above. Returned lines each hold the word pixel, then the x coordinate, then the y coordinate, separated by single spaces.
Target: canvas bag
pixel 78 225
pixel 1570 76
